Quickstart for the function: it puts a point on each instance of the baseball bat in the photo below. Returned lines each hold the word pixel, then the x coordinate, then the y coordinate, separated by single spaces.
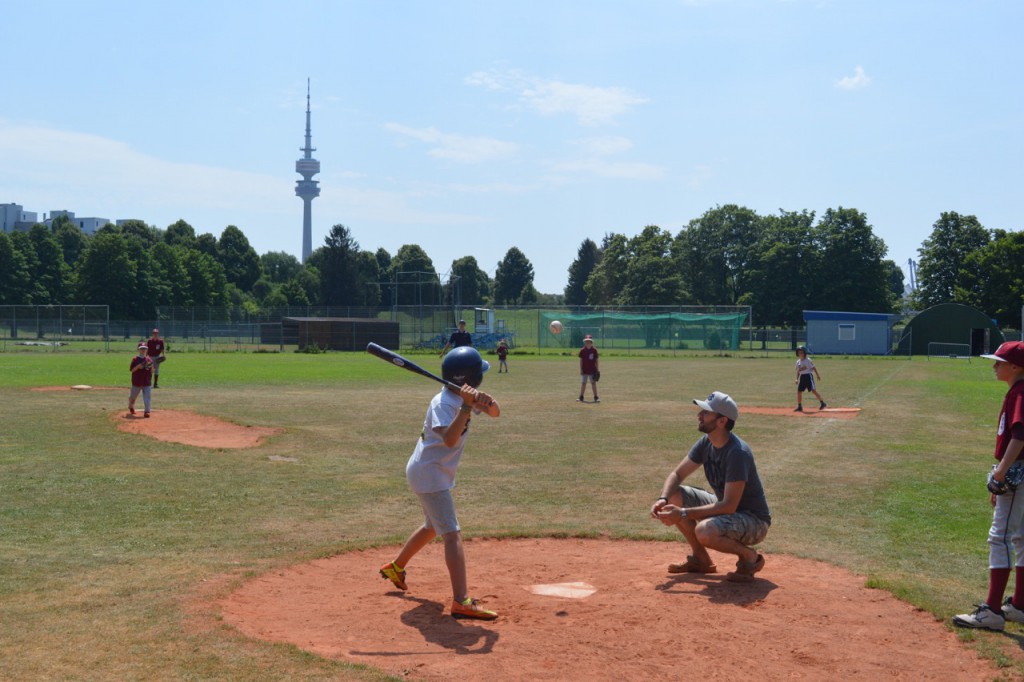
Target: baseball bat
pixel 397 360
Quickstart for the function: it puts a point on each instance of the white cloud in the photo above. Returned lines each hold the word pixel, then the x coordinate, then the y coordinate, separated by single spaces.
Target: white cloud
pixel 855 82
pixel 456 147
pixel 594 161
pixel 590 105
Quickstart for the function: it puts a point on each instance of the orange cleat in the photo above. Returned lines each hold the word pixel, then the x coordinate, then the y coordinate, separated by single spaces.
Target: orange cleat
pixel 471 609
pixel 396 575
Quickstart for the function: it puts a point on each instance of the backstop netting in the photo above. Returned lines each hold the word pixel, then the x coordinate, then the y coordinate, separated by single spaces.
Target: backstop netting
pixel 677 331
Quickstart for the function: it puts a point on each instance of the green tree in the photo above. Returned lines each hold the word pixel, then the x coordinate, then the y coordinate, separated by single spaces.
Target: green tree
pixel 473 283
pixel 587 258
pixel 51 274
pixel 414 277
pixel 107 275
pixel 513 277
pixel 651 277
pixel 279 266
pixel 170 280
pixel 14 275
pixel 368 279
pixel 180 233
pixel 36 293
pixel 294 293
pixel 713 253
pixel 943 255
pixel 852 260
pixel 784 270
pixel 207 243
pixel 895 278
pixel 992 279
pixel 240 261
pixel 338 263
pixel 206 284
pixel 308 281
pixel 137 229
pixel 608 278
pixel 70 237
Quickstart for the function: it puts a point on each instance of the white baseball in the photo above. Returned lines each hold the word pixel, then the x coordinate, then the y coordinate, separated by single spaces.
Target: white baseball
pixel 555 327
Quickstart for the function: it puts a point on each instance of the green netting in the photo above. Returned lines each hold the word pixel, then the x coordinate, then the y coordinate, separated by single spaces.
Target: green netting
pixel 693 331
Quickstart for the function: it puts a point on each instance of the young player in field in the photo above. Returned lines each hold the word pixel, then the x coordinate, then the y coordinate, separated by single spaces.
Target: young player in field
pixel 431 475
pixel 502 356
pixel 733 518
pixel 1006 536
pixel 805 373
pixel 155 349
pixel 141 368
pixel 589 370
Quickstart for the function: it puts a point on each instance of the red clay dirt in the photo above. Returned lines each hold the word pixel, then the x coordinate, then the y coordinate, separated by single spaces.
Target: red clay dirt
pixel 189 428
pixel 798 619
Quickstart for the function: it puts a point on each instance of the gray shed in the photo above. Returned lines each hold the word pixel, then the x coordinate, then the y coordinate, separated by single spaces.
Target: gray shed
pixel 840 333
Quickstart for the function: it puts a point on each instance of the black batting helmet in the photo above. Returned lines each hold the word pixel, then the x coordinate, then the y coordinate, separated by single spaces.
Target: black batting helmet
pixel 463 365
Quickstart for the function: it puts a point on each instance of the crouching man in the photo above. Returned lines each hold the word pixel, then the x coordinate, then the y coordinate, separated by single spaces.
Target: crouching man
pixel 736 516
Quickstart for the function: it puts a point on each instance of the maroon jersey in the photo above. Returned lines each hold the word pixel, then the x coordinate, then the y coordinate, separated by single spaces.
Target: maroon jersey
pixel 1011 418
pixel 502 352
pixel 144 376
pixel 155 346
pixel 588 360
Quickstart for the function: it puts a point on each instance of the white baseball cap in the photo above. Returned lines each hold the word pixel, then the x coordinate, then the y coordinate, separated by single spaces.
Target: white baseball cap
pixel 719 403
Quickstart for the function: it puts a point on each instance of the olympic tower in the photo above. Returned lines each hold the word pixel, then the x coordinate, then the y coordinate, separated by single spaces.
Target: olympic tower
pixel 307 188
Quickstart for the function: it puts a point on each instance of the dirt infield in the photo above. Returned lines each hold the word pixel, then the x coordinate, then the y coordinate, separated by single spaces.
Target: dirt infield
pixel 813 412
pixel 620 617
pixel 189 428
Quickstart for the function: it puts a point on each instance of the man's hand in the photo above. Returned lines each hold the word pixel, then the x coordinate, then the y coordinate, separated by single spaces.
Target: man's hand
pixel 670 515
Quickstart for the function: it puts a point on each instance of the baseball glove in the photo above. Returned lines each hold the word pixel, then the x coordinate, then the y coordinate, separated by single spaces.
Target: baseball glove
pixel 597 376
pixel 1013 479
pixel 160 358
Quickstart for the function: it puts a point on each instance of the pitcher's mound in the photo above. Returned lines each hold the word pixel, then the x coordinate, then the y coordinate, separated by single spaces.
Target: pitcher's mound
pixel 189 428
pixel 605 610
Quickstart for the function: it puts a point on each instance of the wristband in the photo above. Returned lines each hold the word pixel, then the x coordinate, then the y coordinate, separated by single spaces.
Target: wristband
pixel 663 498
pixel 466 409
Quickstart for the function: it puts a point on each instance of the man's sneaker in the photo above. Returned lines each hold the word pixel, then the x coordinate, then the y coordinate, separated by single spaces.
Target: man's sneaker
pixel 1011 612
pixel 982 617
pixel 131 410
pixel 580 399
pixel 146 415
pixel 396 575
pixel 597 400
pixel 470 609
pixel 822 406
pixel 799 408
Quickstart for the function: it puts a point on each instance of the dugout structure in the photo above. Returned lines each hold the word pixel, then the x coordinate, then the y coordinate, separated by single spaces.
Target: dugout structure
pixel 675 330
pixel 337 333
pixel 952 323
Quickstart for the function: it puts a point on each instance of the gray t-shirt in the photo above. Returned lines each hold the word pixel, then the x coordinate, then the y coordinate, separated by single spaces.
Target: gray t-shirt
pixel 732 462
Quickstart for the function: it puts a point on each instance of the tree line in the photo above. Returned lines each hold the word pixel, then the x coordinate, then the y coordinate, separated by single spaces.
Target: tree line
pixel 780 264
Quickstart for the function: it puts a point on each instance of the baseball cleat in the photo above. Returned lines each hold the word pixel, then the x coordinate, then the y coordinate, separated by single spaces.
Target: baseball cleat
pixel 131 410
pixel 396 575
pixel 471 609
pixel 799 408
pixel 1011 612
pixel 822 406
pixel 982 617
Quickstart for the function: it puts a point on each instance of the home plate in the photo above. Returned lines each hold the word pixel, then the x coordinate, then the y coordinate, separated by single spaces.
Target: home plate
pixel 568 590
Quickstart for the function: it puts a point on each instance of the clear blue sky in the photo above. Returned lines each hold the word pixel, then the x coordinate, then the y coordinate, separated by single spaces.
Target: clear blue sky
pixel 470 127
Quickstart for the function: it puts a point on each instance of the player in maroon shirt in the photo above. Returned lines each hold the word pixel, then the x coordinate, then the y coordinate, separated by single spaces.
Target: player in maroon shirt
pixel 155 350
pixel 588 367
pixel 142 372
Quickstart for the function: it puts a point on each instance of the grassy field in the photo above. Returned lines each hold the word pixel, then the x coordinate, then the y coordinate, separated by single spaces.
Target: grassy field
pixel 106 537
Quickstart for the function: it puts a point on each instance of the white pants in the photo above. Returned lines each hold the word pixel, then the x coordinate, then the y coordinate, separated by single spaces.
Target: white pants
pixel 1006 537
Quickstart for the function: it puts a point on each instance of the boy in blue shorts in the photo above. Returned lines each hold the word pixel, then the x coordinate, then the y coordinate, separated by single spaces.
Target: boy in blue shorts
pixel 431 475
pixel 805 373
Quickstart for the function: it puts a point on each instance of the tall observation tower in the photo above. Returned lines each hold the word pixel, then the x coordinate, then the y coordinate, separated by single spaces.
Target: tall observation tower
pixel 307 188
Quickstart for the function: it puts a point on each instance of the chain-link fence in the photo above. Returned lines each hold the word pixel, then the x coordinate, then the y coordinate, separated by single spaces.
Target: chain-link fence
pixel 52 327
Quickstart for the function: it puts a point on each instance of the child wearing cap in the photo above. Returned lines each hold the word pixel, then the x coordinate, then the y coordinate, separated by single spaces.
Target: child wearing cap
pixel 1006 536
pixel 589 370
pixel 142 376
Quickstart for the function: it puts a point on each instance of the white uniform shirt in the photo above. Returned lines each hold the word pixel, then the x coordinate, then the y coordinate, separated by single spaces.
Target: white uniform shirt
pixel 804 366
pixel 432 466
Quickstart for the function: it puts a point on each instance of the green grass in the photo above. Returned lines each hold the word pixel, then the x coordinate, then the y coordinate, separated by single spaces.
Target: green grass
pixel 106 537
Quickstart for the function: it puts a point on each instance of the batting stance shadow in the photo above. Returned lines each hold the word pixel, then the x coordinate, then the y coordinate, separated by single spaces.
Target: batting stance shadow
pixel 717 589
pixel 438 628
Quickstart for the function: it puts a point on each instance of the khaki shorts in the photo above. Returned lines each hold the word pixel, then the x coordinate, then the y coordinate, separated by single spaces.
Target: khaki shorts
pixel 742 527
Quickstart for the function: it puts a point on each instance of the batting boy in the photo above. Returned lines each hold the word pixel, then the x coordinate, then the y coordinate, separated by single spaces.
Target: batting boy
pixel 431 475
pixel 1006 536
pixel 805 373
